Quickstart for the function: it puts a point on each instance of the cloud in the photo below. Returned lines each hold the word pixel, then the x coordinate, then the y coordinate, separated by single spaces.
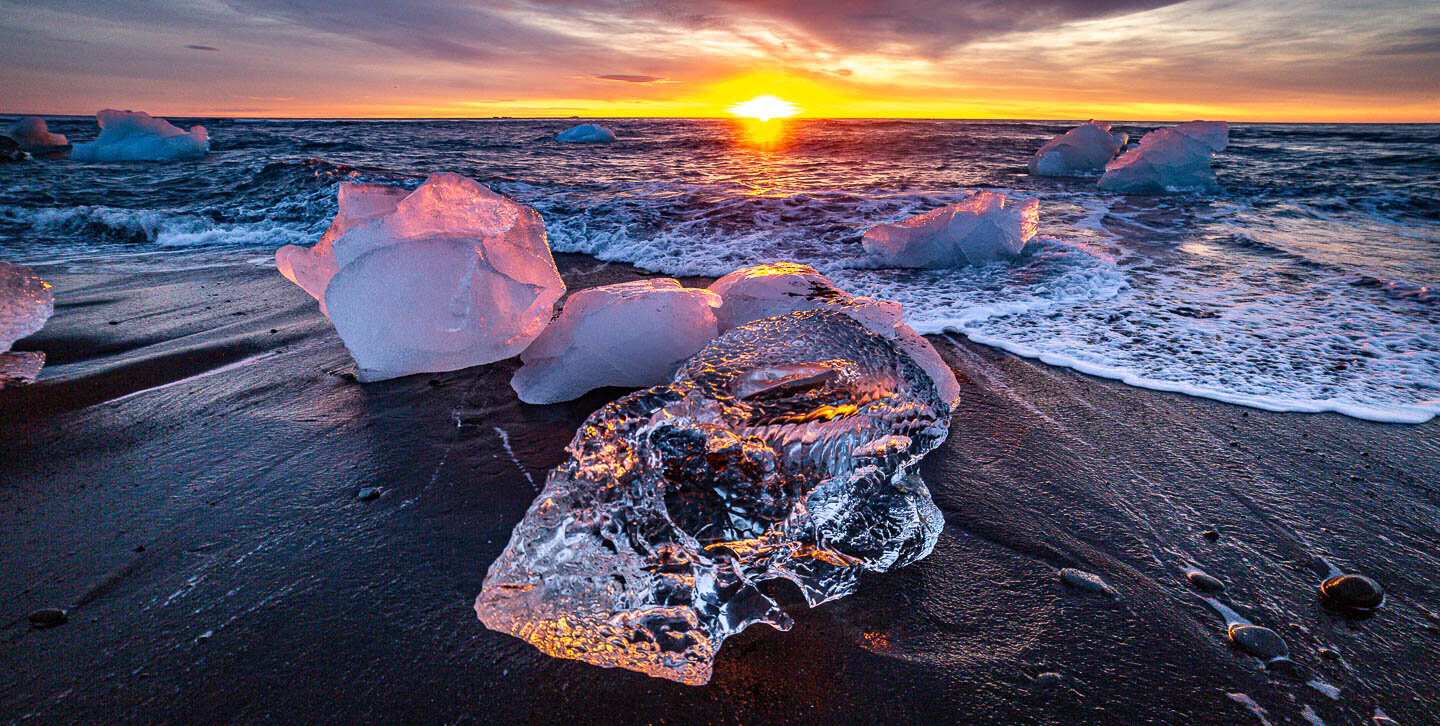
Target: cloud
pixel 631 79
pixel 203 47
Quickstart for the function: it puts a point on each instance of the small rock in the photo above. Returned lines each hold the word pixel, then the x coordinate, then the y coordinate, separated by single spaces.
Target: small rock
pixel 1048 680
pixel 48 617
pixel 347 376
pixel 1263 643
pixel 1085 581
pixel 368 493
pixel 1204 582
pixel 1329 654
pixel 1353 595
pixel 138 548
pixel 1210 534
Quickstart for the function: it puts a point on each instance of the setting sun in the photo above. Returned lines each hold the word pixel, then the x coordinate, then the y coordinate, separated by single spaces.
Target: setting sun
pixel 764 107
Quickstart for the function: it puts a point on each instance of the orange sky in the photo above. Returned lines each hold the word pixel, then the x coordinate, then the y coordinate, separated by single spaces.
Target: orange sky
pixel 1324 60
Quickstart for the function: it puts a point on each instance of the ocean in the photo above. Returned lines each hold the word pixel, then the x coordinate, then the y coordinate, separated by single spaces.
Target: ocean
pixel 1311 282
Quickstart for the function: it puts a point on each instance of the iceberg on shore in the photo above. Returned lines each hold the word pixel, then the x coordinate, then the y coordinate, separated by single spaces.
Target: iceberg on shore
pixel 312 267
pixel 983 228
pixel 586 134
pixel 632 334
pixel 26 302
pixel 138 136
pixel 31 133
pixel 453 276
pixel 1169 160
pixel 765 291
pixel 785 450
pixel 1082 149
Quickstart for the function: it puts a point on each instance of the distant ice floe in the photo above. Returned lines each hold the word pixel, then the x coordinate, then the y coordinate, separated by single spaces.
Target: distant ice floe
pixel 1169 160
pixel 138 136
pixel 26 302
pixel 586 134
pixel 31 133
pixel 1085 148
pixel 633 334
pixel 984 228
pixel 451 275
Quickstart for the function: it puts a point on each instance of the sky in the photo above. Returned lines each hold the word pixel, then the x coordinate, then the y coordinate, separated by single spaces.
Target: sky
pixel 1259 60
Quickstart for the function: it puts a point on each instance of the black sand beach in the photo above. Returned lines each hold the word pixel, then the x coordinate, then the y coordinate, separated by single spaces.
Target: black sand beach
pixel 184 479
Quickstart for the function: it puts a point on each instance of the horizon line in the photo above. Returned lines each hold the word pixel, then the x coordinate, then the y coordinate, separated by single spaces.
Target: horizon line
pixel 234 117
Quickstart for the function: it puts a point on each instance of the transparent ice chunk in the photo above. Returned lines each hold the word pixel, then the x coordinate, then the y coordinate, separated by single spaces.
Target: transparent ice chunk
pixel 983 228
pixel 138 136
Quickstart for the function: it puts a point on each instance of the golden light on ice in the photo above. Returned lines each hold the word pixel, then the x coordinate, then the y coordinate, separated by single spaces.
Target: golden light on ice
pixel 764 107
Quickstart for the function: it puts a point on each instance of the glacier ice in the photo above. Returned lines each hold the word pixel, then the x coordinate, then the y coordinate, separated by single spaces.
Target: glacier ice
pixel 138 136
pixel 33 135
pixel 785 450
pixel 632 334
pixel 26 302
pixel 586 134
pixel 1082 149
pixel 453 276
pixel 763 291
pixel 312 267
pixel 984 228
pixel 1169 160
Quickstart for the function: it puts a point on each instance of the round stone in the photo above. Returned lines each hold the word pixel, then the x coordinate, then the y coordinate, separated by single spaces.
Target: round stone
pixel 47 617
pixel 1352 594
pixel 1084 581
pixel 1204 582
pixel 1263 643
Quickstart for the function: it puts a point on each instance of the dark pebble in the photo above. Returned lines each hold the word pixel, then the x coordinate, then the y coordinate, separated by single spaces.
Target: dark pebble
pixel 139 548
pixel 1210 534
pixel 47 617
pixel 368 493
pixel 1263 643
pixel 1329 654
pixel 348 376
pixel 1351 594
pixel 1204 582
pixel 1047 680
pixel 1085 581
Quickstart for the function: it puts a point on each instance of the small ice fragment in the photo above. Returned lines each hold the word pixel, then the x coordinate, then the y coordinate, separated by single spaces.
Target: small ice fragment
pixel 26 302
pixel 1325 688
pixel 632 334
pixel 138 136
pixel 787 449
pixel 1169 160
pixel 764 291
pixel 1250 704
pixel 983 228
pixel 453 276
pixel 33 135
pixel 311 268
pixel 1082 149
pixel 586 134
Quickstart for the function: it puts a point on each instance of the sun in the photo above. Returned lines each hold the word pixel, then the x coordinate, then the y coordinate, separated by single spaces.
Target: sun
pixel 764 108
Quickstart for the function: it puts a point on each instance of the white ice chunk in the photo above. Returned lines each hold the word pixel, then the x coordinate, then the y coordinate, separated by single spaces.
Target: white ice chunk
pixel 312 267
pixel 1169 160
pixel 766 291
pixel 454 276
pixel 586 134
pixel 33 135
pixel 138 136
pixel 634 334
pixel 1081 149
pixel 983 228
pixel 26 302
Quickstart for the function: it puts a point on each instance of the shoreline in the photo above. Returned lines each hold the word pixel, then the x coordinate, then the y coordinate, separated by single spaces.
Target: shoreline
pixel 184 481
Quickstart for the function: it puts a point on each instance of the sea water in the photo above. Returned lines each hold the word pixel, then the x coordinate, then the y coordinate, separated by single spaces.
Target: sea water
pixel 1310 282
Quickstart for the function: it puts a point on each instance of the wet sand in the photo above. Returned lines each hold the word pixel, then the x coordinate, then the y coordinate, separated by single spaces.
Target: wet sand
pixel 184 480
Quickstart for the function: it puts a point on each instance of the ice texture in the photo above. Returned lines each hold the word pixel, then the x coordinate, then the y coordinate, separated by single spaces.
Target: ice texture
pixel 33 135
pixel 763 291
pixel 1169 160
pixel 454 275
pixel 785 450
pixel 312 267
pixel 983 228
pixel 1082 149
pixel 632 334
pixel 138 136
pixel 26 302
pixel 586 134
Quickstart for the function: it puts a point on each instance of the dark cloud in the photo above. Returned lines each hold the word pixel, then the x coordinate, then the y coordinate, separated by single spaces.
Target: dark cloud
pixel 203 47
pixel 631 79
pixel 1420 41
